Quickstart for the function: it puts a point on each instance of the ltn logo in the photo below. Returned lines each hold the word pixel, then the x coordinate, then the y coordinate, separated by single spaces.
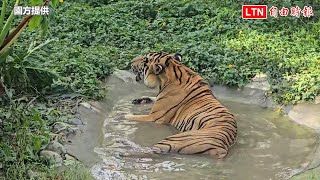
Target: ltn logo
pixel 254 12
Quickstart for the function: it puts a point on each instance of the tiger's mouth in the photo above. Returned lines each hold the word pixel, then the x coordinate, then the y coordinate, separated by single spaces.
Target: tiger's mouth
pixel 136 73
pixel 138 78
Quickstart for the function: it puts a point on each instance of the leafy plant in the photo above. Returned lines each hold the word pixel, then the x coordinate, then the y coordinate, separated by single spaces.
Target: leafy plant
pixel 17 68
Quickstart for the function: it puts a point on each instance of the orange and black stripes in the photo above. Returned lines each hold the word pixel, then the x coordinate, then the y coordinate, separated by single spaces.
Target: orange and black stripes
pixel 186 102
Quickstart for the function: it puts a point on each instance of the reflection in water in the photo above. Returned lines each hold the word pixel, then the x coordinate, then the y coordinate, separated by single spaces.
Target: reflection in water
pixel 269 146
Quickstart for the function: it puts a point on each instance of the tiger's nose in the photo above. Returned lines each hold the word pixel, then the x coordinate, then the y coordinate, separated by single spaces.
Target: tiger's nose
pixel 138 78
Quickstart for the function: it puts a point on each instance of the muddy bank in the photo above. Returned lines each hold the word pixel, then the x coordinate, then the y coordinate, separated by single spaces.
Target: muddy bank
pixel 90 135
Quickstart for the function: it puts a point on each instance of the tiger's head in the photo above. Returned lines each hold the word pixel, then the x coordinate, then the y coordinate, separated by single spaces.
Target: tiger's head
pixel 137 66
pixel 158 71
pixel 140 65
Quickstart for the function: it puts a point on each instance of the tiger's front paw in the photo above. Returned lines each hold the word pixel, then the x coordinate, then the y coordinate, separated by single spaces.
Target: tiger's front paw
pixel 145 118
pixel 144 100
pixel 156 150
pixel 129 116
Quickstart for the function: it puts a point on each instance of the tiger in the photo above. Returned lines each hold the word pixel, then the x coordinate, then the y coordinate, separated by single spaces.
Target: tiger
pixel 186 102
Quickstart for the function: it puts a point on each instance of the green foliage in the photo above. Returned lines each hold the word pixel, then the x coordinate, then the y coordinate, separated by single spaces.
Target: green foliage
pixel 211 35
pixel 81 69
pixel 20 71
pixel 22 135
pixel 74 172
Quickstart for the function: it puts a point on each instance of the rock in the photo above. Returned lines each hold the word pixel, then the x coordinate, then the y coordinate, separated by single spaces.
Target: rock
pixel 96 105
pixel 35 174
pixel 74 132
pixel 89 106
pixel 262 85
pixel 317 100
pixel 70 158
pixel 51 156
pixel 86 105
pixel 253 93
pixel 32 175
pixel 60 137
pixel 246 95
pixel 125 76
pixel 75 121
pixel 260 77
pixel 260 81
pixel 57 127
pixel 306 114
pixel 286 108
pixel 56 147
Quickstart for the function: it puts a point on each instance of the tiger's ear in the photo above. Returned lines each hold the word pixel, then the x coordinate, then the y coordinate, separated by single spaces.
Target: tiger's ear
pixel 158 68
pixel 178 57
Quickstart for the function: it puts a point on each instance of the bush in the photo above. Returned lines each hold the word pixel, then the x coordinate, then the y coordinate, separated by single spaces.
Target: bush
pixel 212 37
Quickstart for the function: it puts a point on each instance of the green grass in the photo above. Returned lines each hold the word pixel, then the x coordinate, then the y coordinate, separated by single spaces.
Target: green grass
pixel 309 175
pixel 75 172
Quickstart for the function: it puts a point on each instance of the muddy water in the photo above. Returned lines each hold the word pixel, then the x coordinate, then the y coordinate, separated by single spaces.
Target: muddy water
pixel 269 145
